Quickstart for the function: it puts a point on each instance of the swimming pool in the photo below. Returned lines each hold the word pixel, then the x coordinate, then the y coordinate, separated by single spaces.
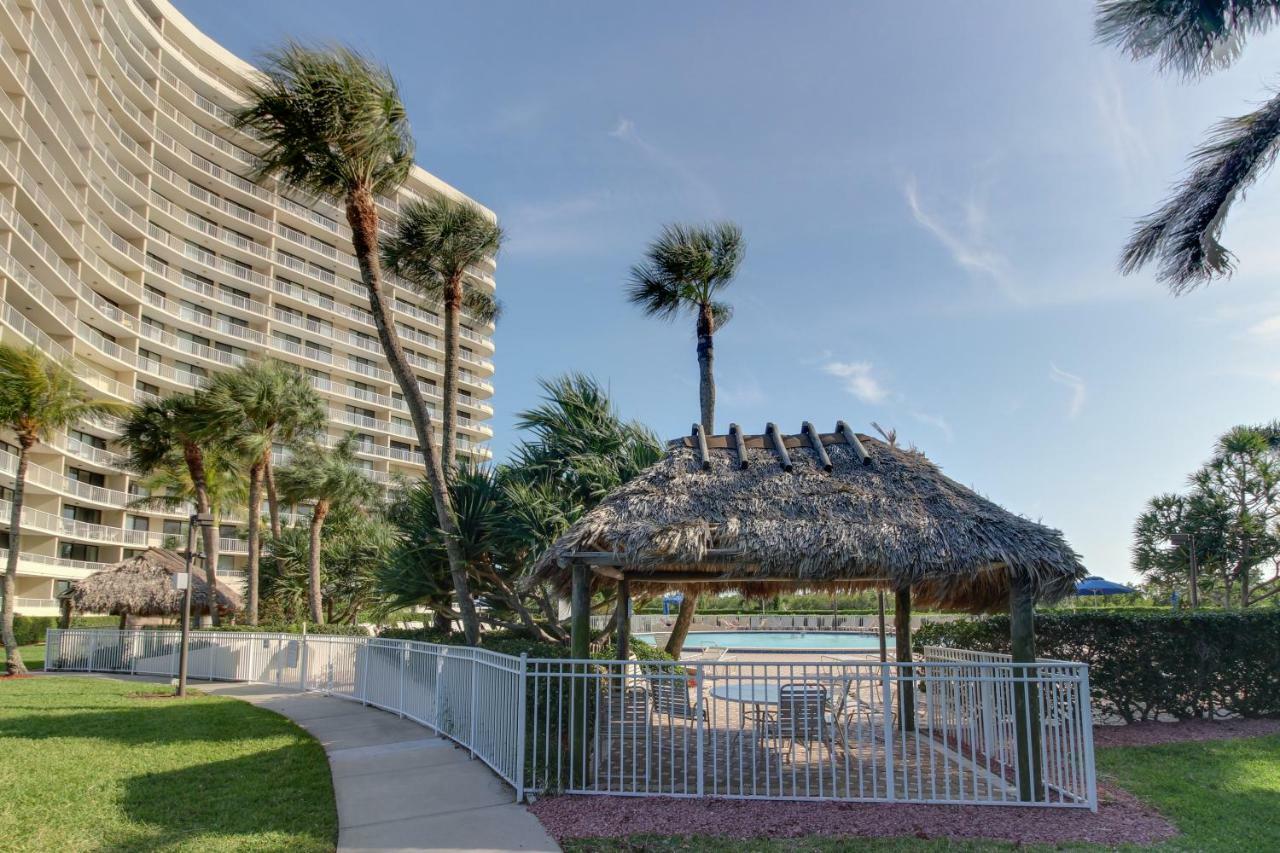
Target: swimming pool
pixel 777 640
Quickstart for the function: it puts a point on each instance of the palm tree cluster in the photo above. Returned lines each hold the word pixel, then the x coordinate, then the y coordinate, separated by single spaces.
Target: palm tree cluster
pixel 1195 38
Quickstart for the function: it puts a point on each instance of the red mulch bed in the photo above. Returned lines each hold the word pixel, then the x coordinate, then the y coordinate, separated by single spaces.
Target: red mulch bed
pixel 1121 817
pixel 1151 734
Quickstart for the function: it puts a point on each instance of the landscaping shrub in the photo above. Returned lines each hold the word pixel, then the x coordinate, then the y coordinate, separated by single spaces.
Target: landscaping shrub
pixel 335 630
pixel 30 629
pixel 1145 664
pixel 513 643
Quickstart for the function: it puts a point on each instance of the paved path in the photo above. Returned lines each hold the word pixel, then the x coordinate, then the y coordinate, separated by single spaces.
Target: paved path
pixel 398 786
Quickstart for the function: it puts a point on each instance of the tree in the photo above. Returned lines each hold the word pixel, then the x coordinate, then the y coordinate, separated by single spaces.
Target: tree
pixel 334 126
pixel 684 272
pixel 1197 37
pixel 181 430
pixel 275 404
pixel 325 478
pixel 434 245
pixel 38 397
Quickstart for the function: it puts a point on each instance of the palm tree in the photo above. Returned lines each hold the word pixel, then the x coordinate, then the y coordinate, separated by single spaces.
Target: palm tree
pixel 325 478
pixel 181 430
pixel 684 271
pixel 276 403
pixel 434 245
pixel 38 397
pixel 334 126
pixel 1197 37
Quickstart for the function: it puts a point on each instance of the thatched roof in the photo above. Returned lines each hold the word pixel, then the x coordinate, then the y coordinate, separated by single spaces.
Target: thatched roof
pixel 143 586
pixel 822 511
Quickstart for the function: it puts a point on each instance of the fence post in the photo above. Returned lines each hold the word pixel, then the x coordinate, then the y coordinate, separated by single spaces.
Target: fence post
pixel 133 653
pixel 438 665
pixel 93 648
pixel 302 660
pixel 50 634
pixel 471 711
pixel 1086 736
pixel 699 709
pixel 521 722
pixel 403 656
pixel 362 650
pixel 886 711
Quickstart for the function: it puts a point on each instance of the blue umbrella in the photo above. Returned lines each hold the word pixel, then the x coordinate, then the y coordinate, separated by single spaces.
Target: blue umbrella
pixel 1094 585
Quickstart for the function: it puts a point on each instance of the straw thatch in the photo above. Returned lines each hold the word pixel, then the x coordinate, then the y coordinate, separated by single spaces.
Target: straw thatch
pixel 143 586
pixel 880 517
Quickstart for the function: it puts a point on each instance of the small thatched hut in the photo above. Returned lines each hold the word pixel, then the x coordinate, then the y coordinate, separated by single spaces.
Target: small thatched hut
pixel 143 586
pixel 814 510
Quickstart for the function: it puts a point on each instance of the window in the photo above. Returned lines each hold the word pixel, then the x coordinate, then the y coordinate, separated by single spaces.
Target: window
pixel 199 310
pixel 238 352
pixel 238 322
pixel 364 413
pixel 199 340
pixel 140 523
pixel 227 531
pixel 173 527
pixel 87 438
pixel 81 513
pixel 148 388
pixel 287 338
pixel 90 478
pixel 319 324
pixel 78 551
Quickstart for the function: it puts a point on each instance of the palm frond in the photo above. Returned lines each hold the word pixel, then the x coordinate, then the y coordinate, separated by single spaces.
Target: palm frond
pixel 684 267
pixel 40 396
pixel 1184 233
pixel 331 119
pixel 1195 37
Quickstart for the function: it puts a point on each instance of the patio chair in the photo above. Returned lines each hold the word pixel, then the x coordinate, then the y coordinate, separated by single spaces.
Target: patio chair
pixel 802 717
pixel 670 698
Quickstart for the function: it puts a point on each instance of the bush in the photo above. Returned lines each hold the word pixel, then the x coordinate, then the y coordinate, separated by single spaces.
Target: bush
pixel 515 644
pixel 1185 664
pixel 334 630
pixel 30 629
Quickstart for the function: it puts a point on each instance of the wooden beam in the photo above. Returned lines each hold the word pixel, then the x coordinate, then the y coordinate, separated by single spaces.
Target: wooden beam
pixel 815 441
pixel 779 446
pixel 884 651
pixel 624 620
pixel 1026 692
pixel 620 558
pixel 700 442
pixel 581 616
pixel 610 572
pixel 852 440
pixel 902 643
pixel 739 446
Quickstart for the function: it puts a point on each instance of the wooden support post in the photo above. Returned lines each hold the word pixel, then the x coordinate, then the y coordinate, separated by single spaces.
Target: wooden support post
pixel 624 619
pixel 1026 691
pixel 580 622
pixel 902 642
pixel 884 651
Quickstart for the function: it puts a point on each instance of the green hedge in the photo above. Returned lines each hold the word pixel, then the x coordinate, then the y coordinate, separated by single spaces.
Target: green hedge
pixel 288 628
pixel 31 629
pixel 1184 664
pixel 512 643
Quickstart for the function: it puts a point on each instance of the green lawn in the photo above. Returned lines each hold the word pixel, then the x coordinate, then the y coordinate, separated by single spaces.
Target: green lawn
pixel 32 656
pixel 1223 796
pixel 87 766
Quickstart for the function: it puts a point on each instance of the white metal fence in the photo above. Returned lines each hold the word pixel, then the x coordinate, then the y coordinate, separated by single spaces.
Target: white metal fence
pixel 958 727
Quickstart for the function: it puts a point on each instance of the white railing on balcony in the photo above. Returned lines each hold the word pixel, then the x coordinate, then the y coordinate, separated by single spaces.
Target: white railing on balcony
pixel 851 731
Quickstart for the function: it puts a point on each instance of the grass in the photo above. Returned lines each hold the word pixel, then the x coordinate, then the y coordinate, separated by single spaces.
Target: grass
pixel 1222 796
pixel 32 656
pixel 88 765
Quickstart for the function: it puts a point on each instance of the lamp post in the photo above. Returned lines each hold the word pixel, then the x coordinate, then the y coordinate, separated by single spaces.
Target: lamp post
pixel 199 519
pixel 1178 540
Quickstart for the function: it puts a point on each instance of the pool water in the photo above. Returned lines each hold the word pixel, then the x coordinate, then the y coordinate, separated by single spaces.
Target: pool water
pixel 779 640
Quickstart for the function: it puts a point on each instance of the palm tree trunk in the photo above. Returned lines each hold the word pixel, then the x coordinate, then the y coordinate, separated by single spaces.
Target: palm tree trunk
pixel 452 308
pixel 194 458
pixel 707 404
pixel 14 658
pixel 255 539
pixel 273 499
pixel 313 563
pixel 362 216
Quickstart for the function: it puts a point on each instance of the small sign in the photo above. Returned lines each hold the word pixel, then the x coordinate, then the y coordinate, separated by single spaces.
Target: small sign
pixel 181 580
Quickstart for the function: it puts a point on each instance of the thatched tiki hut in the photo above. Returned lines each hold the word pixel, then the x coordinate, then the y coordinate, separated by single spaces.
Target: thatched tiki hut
pixel 834 510
pixel 143 586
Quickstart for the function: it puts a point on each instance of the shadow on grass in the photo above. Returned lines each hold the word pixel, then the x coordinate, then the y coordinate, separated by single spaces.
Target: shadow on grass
pixel 275 799
pixel 151 721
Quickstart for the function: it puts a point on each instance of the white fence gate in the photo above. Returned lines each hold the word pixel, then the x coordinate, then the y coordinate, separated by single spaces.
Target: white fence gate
pixel 944 730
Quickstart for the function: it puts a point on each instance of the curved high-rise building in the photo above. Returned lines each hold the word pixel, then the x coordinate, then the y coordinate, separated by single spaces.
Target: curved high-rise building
pixel 135 242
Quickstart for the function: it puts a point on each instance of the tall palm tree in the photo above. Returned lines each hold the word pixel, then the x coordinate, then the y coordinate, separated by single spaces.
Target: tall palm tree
pixel 181 430
pixel 38 397
pixel 684 272
pixel 334 126
pixel 276 403
pixel 1197 37
pixel 325 478
pixel 434 244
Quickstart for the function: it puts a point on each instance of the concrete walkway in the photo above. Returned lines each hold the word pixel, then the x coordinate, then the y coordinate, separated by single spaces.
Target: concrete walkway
pixel 398 786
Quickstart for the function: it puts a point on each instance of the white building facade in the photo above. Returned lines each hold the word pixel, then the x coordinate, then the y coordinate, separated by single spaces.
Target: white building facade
pixel 134 243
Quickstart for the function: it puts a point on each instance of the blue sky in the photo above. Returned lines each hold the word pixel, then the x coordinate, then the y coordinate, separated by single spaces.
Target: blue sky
pixel 933 206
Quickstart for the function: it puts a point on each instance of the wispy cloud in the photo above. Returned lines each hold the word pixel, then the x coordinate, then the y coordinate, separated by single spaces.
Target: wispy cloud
pixel 746 393
pixel 691 182
pixel 1128 147
pixel 858 380
pixel 966 240
pixel 562 226
pixel 1268 328
pixel 1073 382
pixel 938 423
